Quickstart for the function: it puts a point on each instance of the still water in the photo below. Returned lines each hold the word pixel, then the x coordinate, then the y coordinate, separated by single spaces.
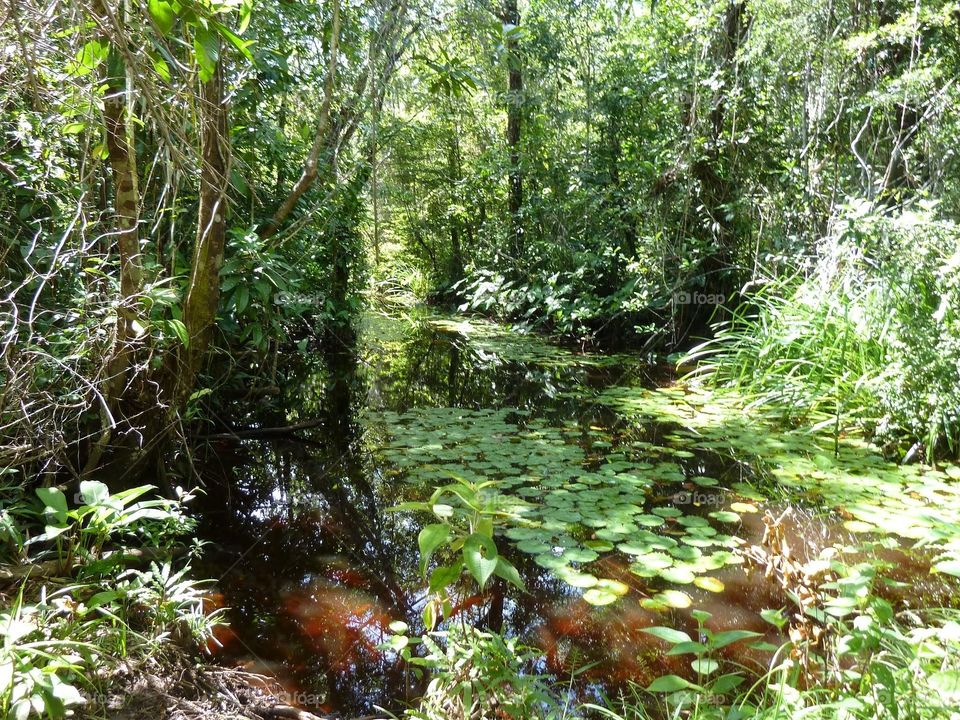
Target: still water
pixel 313 567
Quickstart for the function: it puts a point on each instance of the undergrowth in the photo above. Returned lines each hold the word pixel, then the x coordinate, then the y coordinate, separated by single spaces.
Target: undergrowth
pixel 864 338
pixel 87 584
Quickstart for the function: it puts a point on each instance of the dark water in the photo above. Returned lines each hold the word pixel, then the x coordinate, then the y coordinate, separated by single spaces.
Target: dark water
pixel 313 569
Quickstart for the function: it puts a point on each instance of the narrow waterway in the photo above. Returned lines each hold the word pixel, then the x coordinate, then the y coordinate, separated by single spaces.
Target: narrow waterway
pixel 625 521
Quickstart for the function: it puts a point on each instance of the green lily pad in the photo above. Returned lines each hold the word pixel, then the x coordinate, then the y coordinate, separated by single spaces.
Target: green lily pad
pixel 599 597
pixel 677 575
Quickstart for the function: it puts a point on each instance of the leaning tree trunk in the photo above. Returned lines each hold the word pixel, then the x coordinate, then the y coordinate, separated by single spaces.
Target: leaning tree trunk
pixel 321 138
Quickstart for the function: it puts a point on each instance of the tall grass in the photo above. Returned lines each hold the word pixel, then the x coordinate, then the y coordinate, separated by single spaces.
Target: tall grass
pixel 867 335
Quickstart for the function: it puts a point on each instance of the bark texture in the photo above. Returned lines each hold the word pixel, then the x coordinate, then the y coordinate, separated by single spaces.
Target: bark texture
pixel 203 293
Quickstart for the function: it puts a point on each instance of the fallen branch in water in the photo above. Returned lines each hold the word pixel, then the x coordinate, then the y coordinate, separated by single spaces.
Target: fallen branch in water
pixel 268 432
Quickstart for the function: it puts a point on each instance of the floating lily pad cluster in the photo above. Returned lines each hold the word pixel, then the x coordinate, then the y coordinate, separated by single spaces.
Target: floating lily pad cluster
pixel 430 443
pixel 915 502
pixel 564 513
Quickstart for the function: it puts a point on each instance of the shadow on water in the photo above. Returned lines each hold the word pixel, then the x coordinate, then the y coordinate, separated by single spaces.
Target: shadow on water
pixel 313 569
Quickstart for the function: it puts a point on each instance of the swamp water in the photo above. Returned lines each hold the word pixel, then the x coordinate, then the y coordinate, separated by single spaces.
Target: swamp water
pixel 632 505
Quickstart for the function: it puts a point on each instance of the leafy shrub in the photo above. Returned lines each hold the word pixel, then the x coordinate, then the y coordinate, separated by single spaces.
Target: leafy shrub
pixel 576 303
pixel 869 331
pixel 55 637
pixel 480 675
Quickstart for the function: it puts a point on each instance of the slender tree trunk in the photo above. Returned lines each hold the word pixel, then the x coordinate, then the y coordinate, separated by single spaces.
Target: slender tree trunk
pixel 203 293
pixel 126 191
pixel 905 118
pixel 714 170
pixel 627 226
pixel 511 16
pixel 456 251
pixel 320 140
pixel 375 197
pixel 122 156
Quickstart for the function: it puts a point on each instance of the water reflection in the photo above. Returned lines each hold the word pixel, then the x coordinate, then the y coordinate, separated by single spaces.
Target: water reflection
pixel 310 564
pixel 314 569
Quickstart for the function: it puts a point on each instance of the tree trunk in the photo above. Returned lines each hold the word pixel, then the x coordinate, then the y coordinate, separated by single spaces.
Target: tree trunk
pixel 511 16
pixel 203 292
pixel 713 171
pixel 126 191
pixel 126 201
pixel 906 117
pixel 454 178
pixel 320 140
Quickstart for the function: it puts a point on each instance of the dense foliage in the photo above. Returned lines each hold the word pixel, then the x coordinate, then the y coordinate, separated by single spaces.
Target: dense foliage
pixel 197 197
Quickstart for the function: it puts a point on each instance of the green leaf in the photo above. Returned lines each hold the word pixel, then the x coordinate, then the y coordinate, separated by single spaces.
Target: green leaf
pixel 163 15
pixel 442 510
pixel 947 683
pixel 88 58
pixel 687 648
pixel 235 40
pixel 705 666
pixel 246 10
pixel 55 502
pixel 725 683
pixel 161 68
pixel 674 598
pixel 722 639
pixel 94 492
pixel 599 596
pixel 104 598
pixel 445 576
pixel 711 584
pixel 669 683
pixel 774 616
pixel 397 642
pixel 948 567
pixel 480 557
pixel 180 330
pixel 241 298
pixel 206 47
pixel 668 634
pixel 429 539
pixel 508 572
pixel 429 616
pixel 725 516
pixel 50 532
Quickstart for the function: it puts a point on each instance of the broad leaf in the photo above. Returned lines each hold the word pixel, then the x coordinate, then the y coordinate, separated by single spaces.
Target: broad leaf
pixel 669 683
pixel 94 492
pixel 480 557
pixel 162 14
pixel 55 504
pixel 668 634
pixel 430 538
